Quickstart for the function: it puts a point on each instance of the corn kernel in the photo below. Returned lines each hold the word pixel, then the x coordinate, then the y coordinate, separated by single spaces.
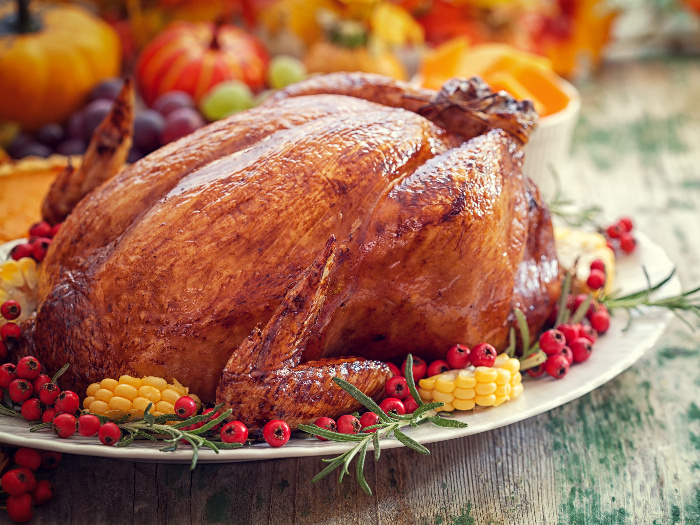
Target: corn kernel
pixel 178 388
pixel 109 384
pixel 129 380
pixel 115 414
pixel 484 374
pixel 170 395
pixel 150 392
pixel 99 407
pixel 463 404
pixel 503 391
pixel 87 401
pixel 465 379
pixel 485 389
pixel 156 382
pixel 500 400
pixel 126 390
pixel 425 395
pixel 442 397
pixel 516 391
pixel 485 401
pixel 92 389
pixel 165 407
pixel 447 407
pixel 104 395
pixel 156 413
pixel 501 359
pixel 140 404
pixel 512 365
pixel 516 379
pixel 120 403
pixel 464 393
pixel 445 383
pixel 428 383
pixel 504 376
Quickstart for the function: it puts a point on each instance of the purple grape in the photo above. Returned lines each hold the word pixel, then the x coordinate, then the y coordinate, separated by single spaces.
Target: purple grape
pixel 95 113
pixel 134 155
pixel 179 123
pixel 34 149
pixel 17 146
pixel 108 89
pixel 148 126
pixel 50 135
pixel 72 147
pixel 75 129
pixel 172 100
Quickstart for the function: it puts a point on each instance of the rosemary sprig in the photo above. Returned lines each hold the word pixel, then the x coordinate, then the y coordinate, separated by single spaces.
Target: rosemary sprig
pixel 390 425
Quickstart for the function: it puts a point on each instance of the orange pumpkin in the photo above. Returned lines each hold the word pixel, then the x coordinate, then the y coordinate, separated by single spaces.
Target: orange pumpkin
pixel 194 57
pixel 51 56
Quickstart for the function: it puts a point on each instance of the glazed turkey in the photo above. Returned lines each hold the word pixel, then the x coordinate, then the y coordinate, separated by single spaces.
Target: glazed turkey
pixel 351 219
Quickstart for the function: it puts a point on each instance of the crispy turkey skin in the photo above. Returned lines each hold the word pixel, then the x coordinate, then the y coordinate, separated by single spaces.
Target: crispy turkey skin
pixel 348 217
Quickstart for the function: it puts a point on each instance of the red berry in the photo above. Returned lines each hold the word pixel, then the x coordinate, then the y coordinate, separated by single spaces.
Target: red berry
pixel 234 432
pixel 419 368
pixel 30 477
pixel 17 481
pixel 600 320
pixel 185 407
pixel 581 349
pixel 483 354
pixel 40 381
pixel 40 229
pixel 277 432
pixel 8 373
pixel 566 352
pixel 627 242
pixel 397 387
pixel 410 405
pixel 212 417
pixel 50 460
pixel 10 332
pixel 392 403
pixel 395 372
pixel 20 390
pixel 88 425
pixel 39 248
pixel 552 341
pixel 597 264
pixel 625 224
pixel 570 331
pixel 327 423
pixel 10 310
pixel 19 508
pixel 3 350
pixel 369 419
pixel 589 333
pixel 54 229
pixel 28 458
pixel 64 425
pixel 536 371
pixel 67 402
pixel 109 433
pixel 437 367
pixel 557 366
pixel 614 231
pixel 348 424
pixel 31 409
pixel 596 279
pixel 43 492
pixel 48 415
pixel 21 250
pixel 458 356
pixel 48 393
pixel 28 368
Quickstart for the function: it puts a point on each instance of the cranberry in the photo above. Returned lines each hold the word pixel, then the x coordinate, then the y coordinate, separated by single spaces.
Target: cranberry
pixel 234 432
pixel 566 352
pixel 48 415
pixel 212 417
pixel 552 341
pixel 410 405
pixel 20 390
pixel 627 242
pixel 276 432
pixel 600 320
pixel 598 264
pixel 458 356
pixel 64 425
pixel 437 367
pixel 393 404
pixel 596 280
pixel 369 419
pixel 50 460
pixel 483 354
pixel 327 423
pixel 570 331
pixel 625 224
pixel 185 407
pixel 109 433
pixel 577 301
pixel 28 368
pixel 581 349
pixel 67 402
pixel 31 409
pixel 17 481
pixel 397 387
pixel 10 332
pixel 39 248
pixel 10 310
pixel 614 231
pixel 419 368
pixel 88 425
pixel 536 371
pixel 557 366
pixel 48 393
pixel 589 333
pixel 19 508
pixel 395 372
pixel 40 229
pixel 28 458
pixel 54 229
pixel 348 424
pixel 8 373
pixel 40 381
pixel 21 251
pixel 43 492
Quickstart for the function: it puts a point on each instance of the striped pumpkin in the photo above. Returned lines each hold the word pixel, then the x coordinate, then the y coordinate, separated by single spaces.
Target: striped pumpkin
pixel 195 56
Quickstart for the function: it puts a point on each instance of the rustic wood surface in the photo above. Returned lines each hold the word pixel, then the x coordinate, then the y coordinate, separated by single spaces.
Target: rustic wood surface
pixel 628 453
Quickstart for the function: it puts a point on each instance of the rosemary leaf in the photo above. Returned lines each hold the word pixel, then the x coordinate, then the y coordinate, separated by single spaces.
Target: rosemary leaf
pixel 410 442
pixel 375 443
pixel 363 399
pixel 447 423
pixel 524 330
pixel 408 374
pixel 60 372
pixel 359 470
pixel 315 430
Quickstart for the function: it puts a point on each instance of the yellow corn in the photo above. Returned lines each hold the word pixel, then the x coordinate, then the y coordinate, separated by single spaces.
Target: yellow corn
pixel 131 395
pixel 470 387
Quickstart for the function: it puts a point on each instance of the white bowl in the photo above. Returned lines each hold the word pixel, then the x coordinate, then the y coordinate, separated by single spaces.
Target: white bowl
pixel 547 153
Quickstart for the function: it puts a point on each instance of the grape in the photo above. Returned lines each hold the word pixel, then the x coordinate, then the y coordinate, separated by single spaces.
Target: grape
pixel 108 89
pixel 285 70
pixel 134 155
pixel 172 100
pixel 50 135
pixel 225 99
pixel 75 128
pixel 33 149
pixel 17 146
pixel 148 127
pixel 179 123
pixel 95 113
pixel 72 146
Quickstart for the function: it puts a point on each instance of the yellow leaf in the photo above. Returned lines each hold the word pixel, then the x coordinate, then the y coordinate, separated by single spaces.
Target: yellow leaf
pixel 395 26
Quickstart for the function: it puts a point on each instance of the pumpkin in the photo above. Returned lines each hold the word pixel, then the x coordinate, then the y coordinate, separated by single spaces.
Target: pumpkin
pixel 51 56
pixel 195 56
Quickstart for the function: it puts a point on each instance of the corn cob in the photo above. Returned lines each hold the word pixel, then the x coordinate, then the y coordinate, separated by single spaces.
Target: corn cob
pixel 129 395
pixel 18 282
pixel 468 387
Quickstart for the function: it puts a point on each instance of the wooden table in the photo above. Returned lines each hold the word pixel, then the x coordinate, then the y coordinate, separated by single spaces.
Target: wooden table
pixel 628 453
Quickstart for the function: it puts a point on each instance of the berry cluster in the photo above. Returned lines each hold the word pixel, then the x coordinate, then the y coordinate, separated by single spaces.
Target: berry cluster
pixel 20 483
pixel 620 237
pixel 41 235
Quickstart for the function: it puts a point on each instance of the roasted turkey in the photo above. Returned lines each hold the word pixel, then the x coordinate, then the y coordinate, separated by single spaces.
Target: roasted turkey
pixel 349 220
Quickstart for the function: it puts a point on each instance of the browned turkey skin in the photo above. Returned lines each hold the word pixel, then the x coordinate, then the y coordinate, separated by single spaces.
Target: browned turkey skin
pixel 335 225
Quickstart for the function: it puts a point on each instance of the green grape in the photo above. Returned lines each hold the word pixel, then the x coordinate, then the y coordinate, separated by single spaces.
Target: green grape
pixel 285 70
pixel 225 99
